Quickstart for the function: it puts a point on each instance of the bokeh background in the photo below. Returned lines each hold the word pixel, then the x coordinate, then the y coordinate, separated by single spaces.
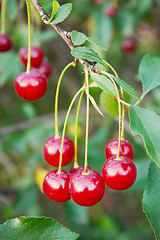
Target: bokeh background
pixel 24 126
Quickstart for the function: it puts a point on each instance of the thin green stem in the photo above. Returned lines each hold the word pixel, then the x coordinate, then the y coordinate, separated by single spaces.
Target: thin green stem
pixel 76 165
pixel 122 93
pixel 142 96
pixel 3 17
pixel 29 37
pixel 120 117
pixel 56 99
pixel 64 127
pixel 87 122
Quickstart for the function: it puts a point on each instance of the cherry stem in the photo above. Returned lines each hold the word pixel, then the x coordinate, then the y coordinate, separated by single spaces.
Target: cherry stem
pixel 56 99
pixel 65 125
pixel 87 121
pixel 29 37
pixel 122 93
pixel 3 19
pixel 120 117
pixel 76 165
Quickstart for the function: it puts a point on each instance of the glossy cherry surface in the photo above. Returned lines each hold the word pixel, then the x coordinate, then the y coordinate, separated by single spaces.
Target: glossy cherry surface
pixel 119 174
pixel 111 11
pixel 129 45
pixel 86 190
pixel 52 148
pixel 44 68
pixel 36 56
pixel 31 86
pixel 56 186
pixel 73 170
pixel 126 149
pixel 5 43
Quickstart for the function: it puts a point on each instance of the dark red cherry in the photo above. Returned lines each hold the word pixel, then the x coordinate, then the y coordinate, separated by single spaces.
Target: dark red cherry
pixel 5 43
pixel 73 170
pixel 126 149
pixel 56 186
pixel 52 148
pixel 44 68
pixel 119 174
pixel 111 11
pixel 86 190
pixel 31 86
pixel 129 45
pixel 36 56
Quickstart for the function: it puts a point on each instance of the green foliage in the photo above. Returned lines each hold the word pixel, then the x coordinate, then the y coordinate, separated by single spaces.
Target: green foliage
pixel 61 14
pixel 35 228
pixel 55 7
pixel 78 38
pixel 151 198
pixel 86 53
pixel 146 123
pixel 104 83
pixel 150 72
pixel 97 43
pixel 126 87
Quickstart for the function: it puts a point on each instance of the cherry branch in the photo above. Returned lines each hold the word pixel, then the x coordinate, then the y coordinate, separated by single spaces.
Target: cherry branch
pixel 64 35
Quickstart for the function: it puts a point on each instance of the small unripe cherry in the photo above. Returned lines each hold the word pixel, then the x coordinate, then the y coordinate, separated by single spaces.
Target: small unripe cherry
pixel 86 189
pixel 56 186
pixel 31 86
pixel 119 174
pixel 36 56
pixel 126 149
pixel 5 43
pixel 52 149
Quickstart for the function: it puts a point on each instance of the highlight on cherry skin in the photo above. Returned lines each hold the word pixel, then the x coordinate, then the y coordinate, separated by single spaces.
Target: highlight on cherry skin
pixel 52 148
pixel 86 189
pixel 119 174
pixel 5 43
pixel 36 56
pixel 45 68
pixel 126 149
pixel 31 86
pixel 56 186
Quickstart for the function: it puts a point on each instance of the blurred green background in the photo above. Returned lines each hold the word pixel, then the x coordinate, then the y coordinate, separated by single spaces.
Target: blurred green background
pixel 24 126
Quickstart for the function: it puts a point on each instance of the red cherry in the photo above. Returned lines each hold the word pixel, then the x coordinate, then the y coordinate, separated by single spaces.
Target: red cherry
pixel 36 56
pixel 119 174
pixel 52 148
pixel 98 2
pixel 86 190
pixel 56 186
pixel 5 43
pixel 44 68
pixel 129 45
pixel 111 11
pixel 126 149
pixel 31 86
pixel 73 170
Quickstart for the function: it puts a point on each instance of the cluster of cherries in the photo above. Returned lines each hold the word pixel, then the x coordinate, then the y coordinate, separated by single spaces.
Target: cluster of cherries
pixel 87 188
pixel 32 85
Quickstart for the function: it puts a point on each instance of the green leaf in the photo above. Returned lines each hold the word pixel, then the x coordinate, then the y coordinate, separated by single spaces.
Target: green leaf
pixel 126 87
pixel 104 83
pixel 55 7
pixel 97 43
pixel 146 123
pixel 62 13
pixel 86 53
pixel 150 72
pixel 95 105
pixel 31 228
pixel 110 103
pixel 11 10
pixel 78 38
pixel 151 197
